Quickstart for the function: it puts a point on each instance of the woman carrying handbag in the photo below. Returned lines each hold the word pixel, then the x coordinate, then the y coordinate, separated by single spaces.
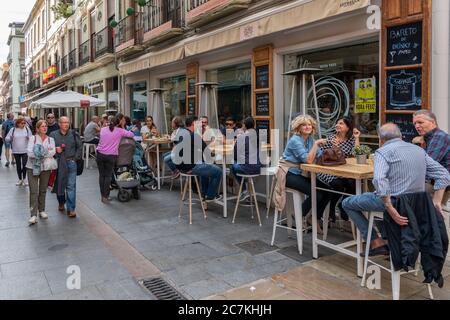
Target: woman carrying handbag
pixel 41 149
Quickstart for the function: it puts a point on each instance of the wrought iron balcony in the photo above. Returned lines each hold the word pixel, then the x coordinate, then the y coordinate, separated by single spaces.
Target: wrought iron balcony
pixel 103 42
pixel 64 65
pixel 192 4
pixel 128 32
pixel 85 53
pixel 72 59
pixel 162 20
pixel 200 12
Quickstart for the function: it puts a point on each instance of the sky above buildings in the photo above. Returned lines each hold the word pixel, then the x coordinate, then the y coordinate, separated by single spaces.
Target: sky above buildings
pixel 12 11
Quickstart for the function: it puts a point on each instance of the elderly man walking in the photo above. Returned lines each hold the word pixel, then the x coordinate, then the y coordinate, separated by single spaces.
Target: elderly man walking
pixel 399 168
pixel 69 150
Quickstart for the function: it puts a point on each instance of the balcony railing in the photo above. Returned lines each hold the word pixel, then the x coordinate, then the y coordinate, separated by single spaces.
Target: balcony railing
pixel 192 4
pixel 158 12
pixel 103 42
pixel 129 29
pixel 85 53
pixel 73 60
pixel 64 65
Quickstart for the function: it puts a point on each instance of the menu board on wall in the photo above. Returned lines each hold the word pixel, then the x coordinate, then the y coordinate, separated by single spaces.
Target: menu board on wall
pixel 191 86
pixel 191 107
pixel 263 128
pixel 405 123
pixel 262 77
pixel 404 89
pixel 404 44
pixel 262 104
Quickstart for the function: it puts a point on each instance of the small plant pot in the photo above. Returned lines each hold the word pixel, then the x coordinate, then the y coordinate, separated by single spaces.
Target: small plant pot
pixel 361 159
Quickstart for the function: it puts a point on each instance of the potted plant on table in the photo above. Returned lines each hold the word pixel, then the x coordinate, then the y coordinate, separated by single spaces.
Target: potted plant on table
pixel 361 153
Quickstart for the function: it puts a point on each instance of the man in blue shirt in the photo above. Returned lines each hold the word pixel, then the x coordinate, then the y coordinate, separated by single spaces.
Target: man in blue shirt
pixel 399 168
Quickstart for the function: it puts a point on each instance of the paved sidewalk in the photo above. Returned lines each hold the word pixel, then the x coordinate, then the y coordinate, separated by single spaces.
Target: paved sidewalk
pixel 34 260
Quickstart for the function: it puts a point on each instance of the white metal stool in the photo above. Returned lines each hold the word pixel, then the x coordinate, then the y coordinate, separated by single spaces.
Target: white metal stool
pixel 395 275
pixel 188 187
pixel 298 199
pixel 270 187
pixel 251 190
pixel 86 152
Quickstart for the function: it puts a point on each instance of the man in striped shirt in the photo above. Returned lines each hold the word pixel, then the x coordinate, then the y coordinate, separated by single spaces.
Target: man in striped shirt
pixel 399 168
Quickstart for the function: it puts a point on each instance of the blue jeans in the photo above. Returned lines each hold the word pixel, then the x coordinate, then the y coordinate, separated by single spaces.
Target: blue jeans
pixel 71 191
pixel 211 176
pixel 354 207
pixel 168 160
pixel 235 170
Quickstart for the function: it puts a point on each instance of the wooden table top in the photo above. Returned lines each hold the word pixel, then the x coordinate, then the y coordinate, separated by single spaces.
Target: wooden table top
pixel 157 140
pixel 350 170
pixel 229 148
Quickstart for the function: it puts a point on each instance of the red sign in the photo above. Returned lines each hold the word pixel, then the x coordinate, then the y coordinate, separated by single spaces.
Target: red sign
pixel 85 103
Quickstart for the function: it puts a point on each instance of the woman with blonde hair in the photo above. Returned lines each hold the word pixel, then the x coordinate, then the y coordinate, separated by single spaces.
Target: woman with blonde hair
pixel 303 148
pixel 41 149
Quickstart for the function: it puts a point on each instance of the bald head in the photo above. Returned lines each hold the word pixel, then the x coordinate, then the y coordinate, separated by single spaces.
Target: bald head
pixel 389 131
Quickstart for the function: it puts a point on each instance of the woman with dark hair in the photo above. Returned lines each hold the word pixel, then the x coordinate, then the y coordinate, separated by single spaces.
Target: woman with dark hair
pixel 108 150
pixel 149 131
pixel 136 129
pixel 18 137
pixel 128 123
pixel 246 154
pixel 345 138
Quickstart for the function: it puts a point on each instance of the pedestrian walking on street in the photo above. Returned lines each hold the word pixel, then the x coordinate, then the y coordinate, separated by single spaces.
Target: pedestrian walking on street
pixel 69 151
pixel 41 150
pixel 18 137
pixel 107 152
pixel 6 127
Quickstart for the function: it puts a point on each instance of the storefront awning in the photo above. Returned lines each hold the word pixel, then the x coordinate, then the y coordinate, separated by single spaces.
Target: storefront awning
pixel 266 23
pixel 152 59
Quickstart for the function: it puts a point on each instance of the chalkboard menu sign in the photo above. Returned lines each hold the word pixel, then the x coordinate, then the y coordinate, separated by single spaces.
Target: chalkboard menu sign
pixel 191 86
pixel 404 45
pixel 263 128
pixel 405 123
pixel 404 89
pixel 262 104
pixel 191 107
pixel 262 77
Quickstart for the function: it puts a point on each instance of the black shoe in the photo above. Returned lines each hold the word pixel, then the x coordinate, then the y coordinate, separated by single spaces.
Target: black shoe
pixel 380 251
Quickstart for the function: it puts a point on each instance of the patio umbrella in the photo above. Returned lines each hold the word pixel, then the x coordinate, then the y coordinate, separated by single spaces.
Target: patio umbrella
pixel 67 99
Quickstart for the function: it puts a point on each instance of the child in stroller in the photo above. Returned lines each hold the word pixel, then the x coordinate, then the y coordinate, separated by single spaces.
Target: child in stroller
pixel 146 175
pixel 126 177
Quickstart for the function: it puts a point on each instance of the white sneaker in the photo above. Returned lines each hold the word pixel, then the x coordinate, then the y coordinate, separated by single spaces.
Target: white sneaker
pixel 25 183
pixel 33 220
pixel 19 183
pixel 43 215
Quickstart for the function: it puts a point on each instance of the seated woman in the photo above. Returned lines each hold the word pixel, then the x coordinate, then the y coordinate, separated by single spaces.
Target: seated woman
pixel 149 131
pixel 345 138
pixel 302 148
pixel 246 155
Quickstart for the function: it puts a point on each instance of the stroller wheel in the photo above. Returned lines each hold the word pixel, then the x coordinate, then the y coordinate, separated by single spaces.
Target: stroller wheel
pixel 123 196
pixel 136 193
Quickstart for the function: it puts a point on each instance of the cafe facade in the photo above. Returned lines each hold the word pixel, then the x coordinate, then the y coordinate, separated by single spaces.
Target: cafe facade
pixel 249 59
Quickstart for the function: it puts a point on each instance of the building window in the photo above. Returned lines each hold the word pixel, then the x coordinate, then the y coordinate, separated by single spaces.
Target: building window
pixel 138 98
pixel 175 97
pixel 234 91
pixel 347 85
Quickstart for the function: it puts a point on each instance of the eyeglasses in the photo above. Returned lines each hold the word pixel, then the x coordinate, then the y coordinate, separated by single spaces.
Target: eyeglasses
pixel 50 117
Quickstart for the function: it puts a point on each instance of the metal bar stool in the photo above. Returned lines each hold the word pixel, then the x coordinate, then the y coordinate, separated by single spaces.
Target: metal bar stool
pixel 251 190
pixel 86 152
pixel 395 275
pixel 188 187
pixel 298 198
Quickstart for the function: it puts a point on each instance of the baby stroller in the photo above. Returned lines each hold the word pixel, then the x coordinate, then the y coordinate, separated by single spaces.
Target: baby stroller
pixel 125 175
pixel 146 175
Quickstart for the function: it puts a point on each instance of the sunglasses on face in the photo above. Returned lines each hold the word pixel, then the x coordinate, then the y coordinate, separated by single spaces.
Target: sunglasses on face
pixel 230 124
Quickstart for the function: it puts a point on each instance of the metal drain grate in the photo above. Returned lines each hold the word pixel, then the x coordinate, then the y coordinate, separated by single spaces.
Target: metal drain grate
pixel 161 289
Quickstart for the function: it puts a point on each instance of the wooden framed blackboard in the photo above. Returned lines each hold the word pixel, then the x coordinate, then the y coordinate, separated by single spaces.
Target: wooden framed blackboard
pixel 191 86
pixel 404 89
pixel 405 123
pixel 263 128
pixel 262 77
pixel 262 104
pixel 404 44
pixel 191 110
